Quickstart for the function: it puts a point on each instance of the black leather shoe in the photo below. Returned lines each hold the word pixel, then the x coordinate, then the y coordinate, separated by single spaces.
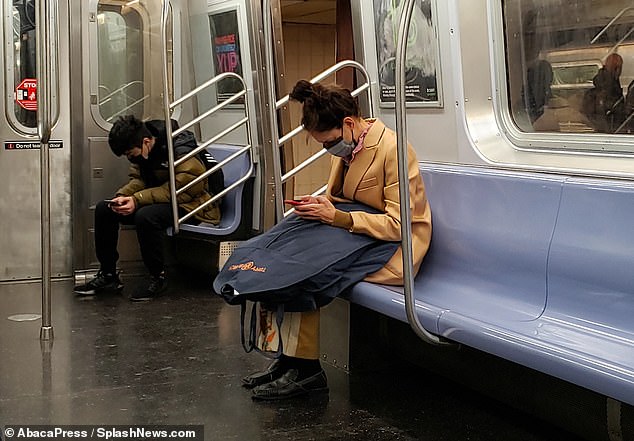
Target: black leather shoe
pixel 288 386
pixel 273 372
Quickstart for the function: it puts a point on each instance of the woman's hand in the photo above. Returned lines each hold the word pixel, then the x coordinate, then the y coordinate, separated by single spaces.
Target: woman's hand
pixel 316 208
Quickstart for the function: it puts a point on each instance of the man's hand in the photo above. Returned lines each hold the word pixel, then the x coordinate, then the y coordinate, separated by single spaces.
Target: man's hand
pixel 124 205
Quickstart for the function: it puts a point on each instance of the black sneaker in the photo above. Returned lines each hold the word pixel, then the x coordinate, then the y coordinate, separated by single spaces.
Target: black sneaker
pixel 157 285
pixel 101 283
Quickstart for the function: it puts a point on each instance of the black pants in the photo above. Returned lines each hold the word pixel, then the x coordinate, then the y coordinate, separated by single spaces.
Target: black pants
pixel 151 221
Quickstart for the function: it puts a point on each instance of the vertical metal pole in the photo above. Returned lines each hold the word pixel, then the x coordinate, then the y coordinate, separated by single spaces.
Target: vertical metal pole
pixel 403 177
pixel 43 72
pixel 168 114
pixel 272 110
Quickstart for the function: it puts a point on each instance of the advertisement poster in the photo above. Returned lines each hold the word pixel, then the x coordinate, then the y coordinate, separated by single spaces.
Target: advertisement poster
pixel 225 44
pixel 422 67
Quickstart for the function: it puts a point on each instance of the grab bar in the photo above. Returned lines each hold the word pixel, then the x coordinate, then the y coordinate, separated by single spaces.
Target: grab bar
pixel 45 12
pixel 610 23
pixel 170 134
pixel 403 181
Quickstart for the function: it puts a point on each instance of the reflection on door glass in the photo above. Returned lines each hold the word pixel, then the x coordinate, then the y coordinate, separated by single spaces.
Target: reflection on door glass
pixel 130 72
pixel 120 76
pixel 570 69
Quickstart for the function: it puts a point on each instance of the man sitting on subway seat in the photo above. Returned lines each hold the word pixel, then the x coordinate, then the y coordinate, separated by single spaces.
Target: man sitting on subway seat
pixel 145 202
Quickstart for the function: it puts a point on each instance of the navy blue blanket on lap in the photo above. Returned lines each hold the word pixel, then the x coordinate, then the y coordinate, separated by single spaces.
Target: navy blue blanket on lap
pixel 302 264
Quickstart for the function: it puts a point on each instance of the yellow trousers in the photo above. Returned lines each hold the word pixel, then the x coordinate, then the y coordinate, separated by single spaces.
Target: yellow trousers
pixel 300 333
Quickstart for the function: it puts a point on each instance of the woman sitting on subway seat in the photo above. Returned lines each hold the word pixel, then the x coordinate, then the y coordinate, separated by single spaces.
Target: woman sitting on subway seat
pixel 364 173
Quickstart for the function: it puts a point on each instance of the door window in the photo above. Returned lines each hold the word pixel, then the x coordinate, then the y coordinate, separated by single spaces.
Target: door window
pixel 20 54
pixel 120 69
pixel 127 79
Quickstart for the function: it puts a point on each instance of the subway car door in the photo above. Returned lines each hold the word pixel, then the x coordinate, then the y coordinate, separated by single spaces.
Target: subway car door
pixel 116 63
pixel 20 155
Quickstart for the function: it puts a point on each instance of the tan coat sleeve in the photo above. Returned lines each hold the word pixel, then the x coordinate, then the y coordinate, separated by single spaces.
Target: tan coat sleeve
pixel 372 179
pixel 387 226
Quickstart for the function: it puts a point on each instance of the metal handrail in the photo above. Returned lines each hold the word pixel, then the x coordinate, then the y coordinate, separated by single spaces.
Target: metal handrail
pixel 330 71
pixel 121 111
pixel 403 180
pixel 215 168
pixel 325 74
pixel 239 182
pixel 120 89
pixel 618 43
pixel 203 146
pixel 167 112
pixel 303 165
pixel 267 18
pixel 610 23
pixel 299 129
pixel 44 9
pixel 277 142
pixel 282 178
pixel 625 123
pixel 214 109
pixel 168 107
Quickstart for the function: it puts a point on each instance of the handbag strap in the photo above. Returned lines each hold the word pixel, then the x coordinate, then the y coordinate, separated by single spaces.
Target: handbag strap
pixel 251 344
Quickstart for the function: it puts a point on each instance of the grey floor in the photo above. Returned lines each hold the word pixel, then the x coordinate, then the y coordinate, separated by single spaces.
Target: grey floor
pixel 178 360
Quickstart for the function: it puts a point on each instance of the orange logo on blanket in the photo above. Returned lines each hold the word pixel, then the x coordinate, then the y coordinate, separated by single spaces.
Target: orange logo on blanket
pixel 248 266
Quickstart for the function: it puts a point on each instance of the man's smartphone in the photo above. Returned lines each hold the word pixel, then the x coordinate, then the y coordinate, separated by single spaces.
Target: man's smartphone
pixel 111 202
pixel 293 202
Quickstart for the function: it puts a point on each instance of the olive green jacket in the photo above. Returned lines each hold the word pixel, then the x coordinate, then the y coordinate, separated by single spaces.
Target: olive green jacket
pixel 193 197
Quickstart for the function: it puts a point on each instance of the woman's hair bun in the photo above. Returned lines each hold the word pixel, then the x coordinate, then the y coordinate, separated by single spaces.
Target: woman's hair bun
pixel 302 91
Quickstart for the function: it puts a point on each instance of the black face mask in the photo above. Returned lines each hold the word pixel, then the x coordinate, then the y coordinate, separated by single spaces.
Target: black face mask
pixel 138 160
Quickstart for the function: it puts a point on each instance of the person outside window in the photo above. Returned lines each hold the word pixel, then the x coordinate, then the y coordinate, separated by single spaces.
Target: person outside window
pixel 604 104
pixel 539 77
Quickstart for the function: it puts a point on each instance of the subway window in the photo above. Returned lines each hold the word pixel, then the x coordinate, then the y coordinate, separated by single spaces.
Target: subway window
pixel 21 82
pixel 128 77
pixel 20 54
pixel 570 65
pixel 121 89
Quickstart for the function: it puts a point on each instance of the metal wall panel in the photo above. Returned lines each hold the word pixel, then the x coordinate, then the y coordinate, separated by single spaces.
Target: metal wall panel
pixel 20 243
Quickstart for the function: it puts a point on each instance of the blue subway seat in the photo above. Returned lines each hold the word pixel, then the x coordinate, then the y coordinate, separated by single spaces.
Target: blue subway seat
pixel 533 268
pixel 231 206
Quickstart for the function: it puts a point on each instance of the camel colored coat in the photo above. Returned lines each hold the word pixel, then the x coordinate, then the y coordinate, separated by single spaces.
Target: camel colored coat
pixel 372 179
